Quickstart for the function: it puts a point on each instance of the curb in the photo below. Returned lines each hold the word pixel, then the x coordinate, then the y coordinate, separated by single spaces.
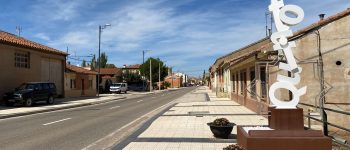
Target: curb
pixel 58 108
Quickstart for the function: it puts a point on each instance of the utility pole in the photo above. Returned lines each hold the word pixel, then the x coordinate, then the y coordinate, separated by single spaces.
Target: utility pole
pixel 100 28
pixel 159 75
pixel 99 60
pixel 143 74
pixel 150 75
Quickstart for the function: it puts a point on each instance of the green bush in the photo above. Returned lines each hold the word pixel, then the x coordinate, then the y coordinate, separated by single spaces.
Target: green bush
pixel 221 122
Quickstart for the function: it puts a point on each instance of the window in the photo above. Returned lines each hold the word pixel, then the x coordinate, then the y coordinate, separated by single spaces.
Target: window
pixel 38 87
pixel 52 86
pixel 72 84
pixel 237 81
pixel 252 83
pixel 90 84
pixel 243 82
pixel 233 83
pixel 263 81
pixel 22 60
pixel 45 86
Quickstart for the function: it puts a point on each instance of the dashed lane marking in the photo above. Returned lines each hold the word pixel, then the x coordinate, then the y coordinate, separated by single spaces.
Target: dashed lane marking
pixel 56 121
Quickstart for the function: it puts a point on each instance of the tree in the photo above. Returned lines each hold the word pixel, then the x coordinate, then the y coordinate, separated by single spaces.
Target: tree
pixel 104 60
pixel 110 66
pixel 93 63
pixel 203 77
pixel 83 64
pixel 166 84
pixel 145 70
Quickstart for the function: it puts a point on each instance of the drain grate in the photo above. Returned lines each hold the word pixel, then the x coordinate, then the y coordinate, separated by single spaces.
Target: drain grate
pixel 198 105
pixel 198 113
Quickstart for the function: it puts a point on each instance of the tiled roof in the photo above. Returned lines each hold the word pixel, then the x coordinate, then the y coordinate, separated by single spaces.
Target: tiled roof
pixel 321 23
pixel 107 77
pixel 135 66
pixel 11 39
pixel 296 34
pixel 79 69
pixel 109 70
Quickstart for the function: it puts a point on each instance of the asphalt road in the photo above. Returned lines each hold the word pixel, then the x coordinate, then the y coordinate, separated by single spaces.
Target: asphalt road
pixel 79 127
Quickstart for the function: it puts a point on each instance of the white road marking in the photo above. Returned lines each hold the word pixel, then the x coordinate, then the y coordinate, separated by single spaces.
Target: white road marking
pixel 139 101
pixel 127 125
pixel 114 107
pixel 56 121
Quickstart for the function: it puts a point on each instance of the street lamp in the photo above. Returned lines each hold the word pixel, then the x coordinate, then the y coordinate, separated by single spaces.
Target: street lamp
pixel 150 75
pixel 100 29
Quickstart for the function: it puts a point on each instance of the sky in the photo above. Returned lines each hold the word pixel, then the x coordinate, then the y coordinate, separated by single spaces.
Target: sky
pixel 189 35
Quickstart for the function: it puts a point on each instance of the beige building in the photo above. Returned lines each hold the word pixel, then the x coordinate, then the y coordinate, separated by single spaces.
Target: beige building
pixel 131 69
pixel 322 51
pixel 79 82
pixel 23 60
pixel 108 76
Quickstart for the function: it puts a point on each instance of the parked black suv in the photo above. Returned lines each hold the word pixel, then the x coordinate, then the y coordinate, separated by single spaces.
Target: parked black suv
pixel 32 92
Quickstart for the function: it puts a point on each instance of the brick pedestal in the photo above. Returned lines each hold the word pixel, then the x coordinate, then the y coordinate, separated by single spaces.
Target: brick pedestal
pixel 288 134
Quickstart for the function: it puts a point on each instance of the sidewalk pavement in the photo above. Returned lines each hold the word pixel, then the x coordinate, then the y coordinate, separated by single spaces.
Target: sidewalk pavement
pixel 184 126
pixel 65 103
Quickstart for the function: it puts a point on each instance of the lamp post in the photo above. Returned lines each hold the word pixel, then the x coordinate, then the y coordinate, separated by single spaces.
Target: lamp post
pixel 159 75
pixel 100 29
pixel 150 75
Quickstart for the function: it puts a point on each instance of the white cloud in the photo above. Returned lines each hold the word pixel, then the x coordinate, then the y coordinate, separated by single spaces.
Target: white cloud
pixel 183 39
pixel 42 36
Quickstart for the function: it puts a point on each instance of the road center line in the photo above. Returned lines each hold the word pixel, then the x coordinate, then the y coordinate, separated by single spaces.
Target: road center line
pixel 139 101
pixel 56 121
pixel 114 107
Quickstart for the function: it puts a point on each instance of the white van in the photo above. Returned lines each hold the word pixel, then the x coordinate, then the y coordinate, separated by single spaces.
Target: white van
pixel 118 87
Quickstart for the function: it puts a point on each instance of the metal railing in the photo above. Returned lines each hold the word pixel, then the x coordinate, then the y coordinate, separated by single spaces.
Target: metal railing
pixel 309 117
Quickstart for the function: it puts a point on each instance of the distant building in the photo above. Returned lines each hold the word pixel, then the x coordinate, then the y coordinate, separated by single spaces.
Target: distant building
pixel 108 76
pixel 132 69
pixel 23 60
pixel 174 80
pixel 184 78
pixel 79 82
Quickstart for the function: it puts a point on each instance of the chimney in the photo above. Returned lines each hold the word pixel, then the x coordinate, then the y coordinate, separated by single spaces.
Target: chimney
pixel 321 16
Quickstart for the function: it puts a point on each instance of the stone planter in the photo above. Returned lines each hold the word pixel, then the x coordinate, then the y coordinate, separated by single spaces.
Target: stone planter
pixel 221 131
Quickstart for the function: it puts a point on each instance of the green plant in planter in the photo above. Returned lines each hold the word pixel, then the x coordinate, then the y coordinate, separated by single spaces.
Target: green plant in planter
pixel 221 122
pixel 233 147
pixel 221 127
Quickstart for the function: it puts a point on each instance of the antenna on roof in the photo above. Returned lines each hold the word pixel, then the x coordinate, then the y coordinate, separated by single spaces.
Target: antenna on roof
pixel 19 30
pixel 268 29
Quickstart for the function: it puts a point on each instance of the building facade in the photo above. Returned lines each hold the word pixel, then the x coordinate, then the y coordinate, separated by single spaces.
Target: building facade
pixel 174 80
pixel 26 61
pixel 79 82
pixel 322 50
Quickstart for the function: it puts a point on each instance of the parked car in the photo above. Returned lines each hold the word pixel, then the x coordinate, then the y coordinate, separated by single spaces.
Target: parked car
pixel 32 92
pixel 118 88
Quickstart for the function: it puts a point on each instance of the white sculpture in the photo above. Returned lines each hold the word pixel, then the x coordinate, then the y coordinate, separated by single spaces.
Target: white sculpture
pixel 280 41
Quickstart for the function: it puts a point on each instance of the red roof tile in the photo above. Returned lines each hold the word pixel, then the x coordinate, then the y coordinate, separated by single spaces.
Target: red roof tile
pixel 135 66
pixel 321 23
pixel 109 70
pixel 79 69
pixel 11 39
